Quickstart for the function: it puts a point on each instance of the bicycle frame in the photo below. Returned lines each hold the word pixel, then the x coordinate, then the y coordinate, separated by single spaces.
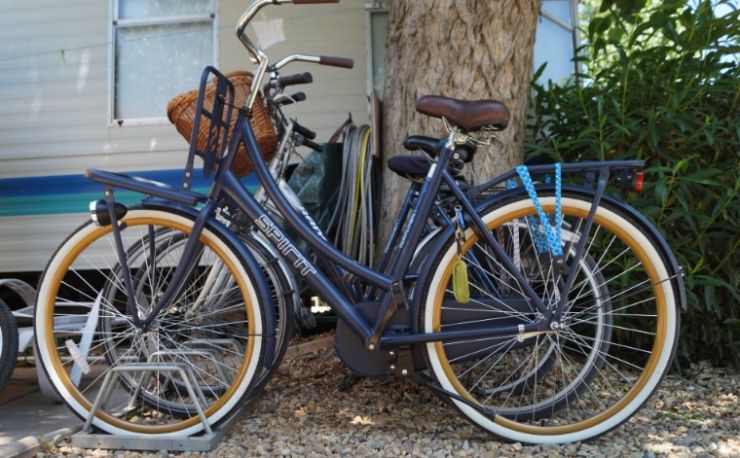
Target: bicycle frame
pixel 392 284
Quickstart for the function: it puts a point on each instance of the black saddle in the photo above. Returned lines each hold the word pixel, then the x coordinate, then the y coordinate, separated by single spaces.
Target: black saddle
pixel 408 166
pixel 416 167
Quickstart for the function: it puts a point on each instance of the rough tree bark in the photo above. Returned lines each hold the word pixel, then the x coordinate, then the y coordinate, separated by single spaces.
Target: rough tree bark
pixel 467 49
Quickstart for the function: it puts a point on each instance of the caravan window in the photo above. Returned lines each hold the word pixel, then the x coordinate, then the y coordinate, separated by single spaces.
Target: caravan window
pixel 158 49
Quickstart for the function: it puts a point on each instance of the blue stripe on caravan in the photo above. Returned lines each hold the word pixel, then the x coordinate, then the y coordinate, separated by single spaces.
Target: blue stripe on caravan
pixel 73 184
pixel 45 195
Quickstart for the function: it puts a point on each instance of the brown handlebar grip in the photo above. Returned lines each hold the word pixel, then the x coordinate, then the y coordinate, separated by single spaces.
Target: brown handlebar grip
pixel 312 2
pixel 342 62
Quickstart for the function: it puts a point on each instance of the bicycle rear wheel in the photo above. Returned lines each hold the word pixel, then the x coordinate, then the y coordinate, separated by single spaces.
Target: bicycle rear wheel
pixel 83 329
pixel 608 353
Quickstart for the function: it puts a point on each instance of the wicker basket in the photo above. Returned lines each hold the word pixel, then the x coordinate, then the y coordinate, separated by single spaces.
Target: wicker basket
pixel 181 112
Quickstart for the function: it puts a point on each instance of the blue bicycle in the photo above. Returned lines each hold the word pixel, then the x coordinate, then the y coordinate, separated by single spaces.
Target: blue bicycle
pixel 543 311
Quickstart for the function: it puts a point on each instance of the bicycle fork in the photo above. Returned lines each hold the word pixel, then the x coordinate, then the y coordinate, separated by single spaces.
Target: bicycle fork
pixel 191 253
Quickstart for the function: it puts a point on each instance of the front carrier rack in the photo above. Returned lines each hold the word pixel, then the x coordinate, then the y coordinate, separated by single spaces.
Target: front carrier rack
pixel 214 108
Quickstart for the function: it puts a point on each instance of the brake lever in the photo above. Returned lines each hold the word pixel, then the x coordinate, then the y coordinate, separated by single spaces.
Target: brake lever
pixel 283 99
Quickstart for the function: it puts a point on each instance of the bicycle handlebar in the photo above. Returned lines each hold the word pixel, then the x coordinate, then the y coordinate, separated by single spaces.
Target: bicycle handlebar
pixel 260 58
pixel 311 2
pixel 342 62
pixel 313 145
pixel 305 131
pixel 298 78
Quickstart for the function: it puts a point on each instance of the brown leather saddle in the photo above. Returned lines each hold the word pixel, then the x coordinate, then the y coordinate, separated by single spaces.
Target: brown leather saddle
pixel 468 115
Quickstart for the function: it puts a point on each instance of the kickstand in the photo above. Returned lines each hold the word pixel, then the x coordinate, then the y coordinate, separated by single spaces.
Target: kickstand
pixel 438 389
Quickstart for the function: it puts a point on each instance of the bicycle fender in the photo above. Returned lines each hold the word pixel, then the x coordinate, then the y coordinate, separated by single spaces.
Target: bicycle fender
pixel 250 263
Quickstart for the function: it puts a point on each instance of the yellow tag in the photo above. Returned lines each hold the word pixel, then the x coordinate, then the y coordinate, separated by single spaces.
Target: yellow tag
pixel 460 281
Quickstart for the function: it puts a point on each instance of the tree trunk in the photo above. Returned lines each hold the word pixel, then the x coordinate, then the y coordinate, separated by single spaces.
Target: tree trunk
pixel 466 49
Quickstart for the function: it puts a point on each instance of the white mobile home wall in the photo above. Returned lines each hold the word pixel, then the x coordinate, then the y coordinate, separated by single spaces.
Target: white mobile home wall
pixel 54 93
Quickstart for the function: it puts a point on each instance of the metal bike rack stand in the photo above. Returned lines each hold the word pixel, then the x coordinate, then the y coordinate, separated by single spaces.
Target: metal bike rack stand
pixel 201 443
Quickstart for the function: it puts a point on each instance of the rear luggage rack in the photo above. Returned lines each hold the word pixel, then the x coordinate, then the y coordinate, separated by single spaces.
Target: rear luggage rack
pixel 589 168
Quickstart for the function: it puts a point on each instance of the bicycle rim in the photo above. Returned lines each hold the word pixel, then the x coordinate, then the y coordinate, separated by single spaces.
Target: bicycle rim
pixel 220 342
pixel 616 344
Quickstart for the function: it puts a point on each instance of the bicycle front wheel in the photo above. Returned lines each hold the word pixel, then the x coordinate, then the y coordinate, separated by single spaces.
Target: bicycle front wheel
pixel 213 329
pixel 594 368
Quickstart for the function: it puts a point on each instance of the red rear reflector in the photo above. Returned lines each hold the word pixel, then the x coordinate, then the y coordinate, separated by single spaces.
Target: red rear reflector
pixel 637 181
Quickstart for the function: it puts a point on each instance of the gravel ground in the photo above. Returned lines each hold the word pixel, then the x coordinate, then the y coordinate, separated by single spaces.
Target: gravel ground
pixel 304 412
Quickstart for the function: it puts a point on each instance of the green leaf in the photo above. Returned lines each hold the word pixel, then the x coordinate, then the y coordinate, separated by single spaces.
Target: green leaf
pixel 661 190
pixel 704 181
pixel 538 72
pixel 732 322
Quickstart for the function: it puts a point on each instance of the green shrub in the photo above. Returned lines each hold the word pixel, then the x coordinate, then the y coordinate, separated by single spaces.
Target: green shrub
pixel 660 82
